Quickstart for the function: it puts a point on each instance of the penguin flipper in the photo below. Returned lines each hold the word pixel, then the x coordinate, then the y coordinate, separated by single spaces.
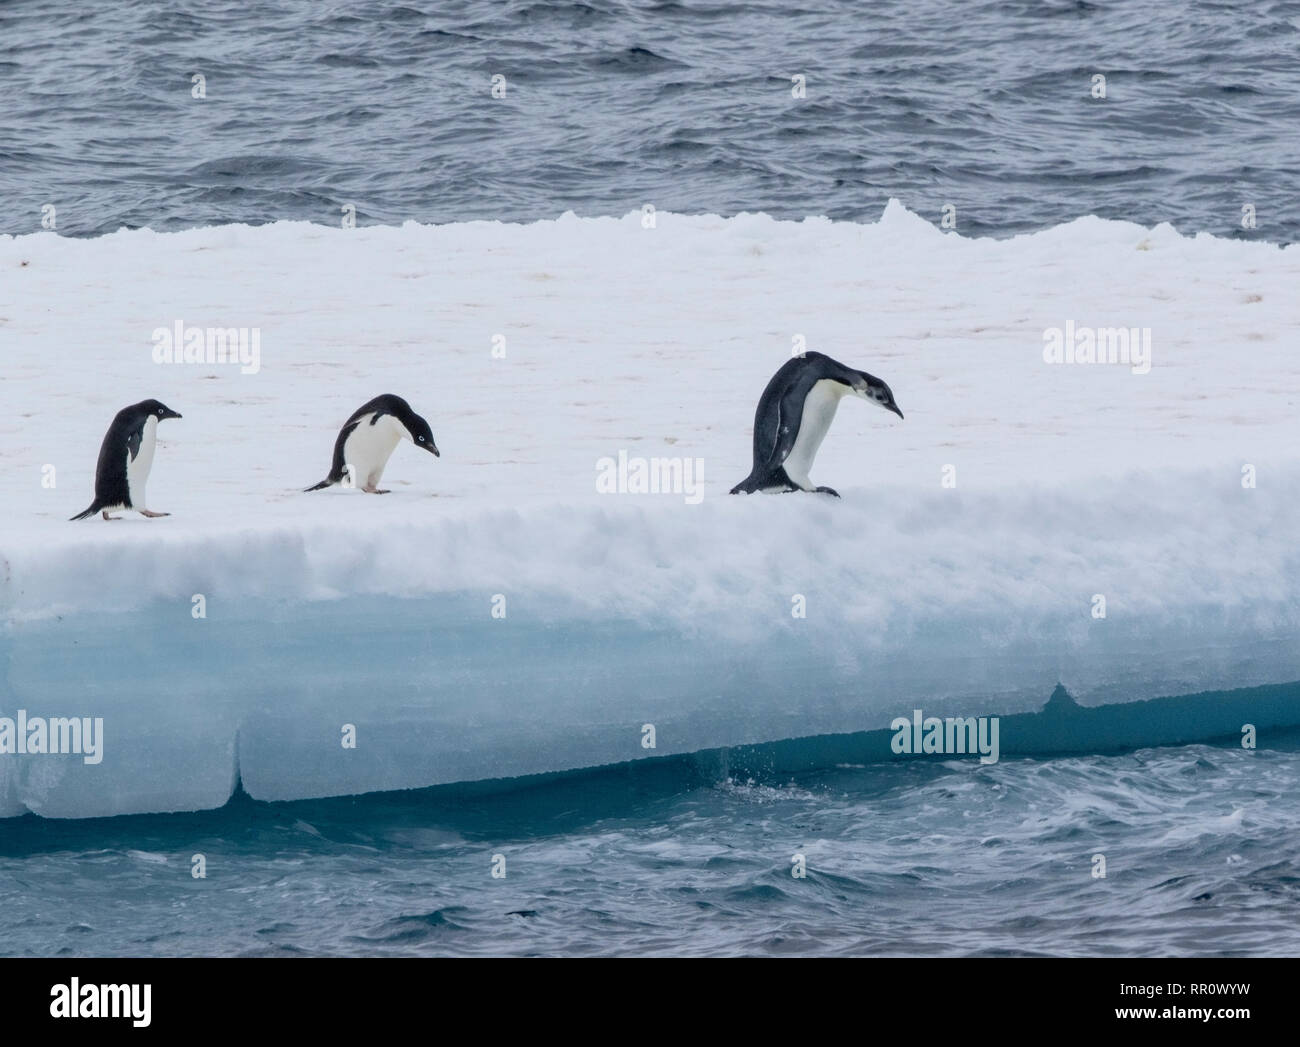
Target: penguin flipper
pixel 327 482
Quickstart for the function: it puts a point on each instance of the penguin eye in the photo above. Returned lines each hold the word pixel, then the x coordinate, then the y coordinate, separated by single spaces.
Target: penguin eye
pixel 421 439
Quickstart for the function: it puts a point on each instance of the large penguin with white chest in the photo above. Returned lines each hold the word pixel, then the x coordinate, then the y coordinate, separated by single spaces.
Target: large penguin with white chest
pixel 368 439
pixel 794 414
pixel 125 458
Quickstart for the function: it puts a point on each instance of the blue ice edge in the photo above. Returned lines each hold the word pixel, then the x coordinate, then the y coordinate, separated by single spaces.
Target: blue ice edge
pixel 1061 728
pixel 443 697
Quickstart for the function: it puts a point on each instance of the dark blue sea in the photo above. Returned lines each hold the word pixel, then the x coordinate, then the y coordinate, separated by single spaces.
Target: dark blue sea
pixel 1201 847
pixel 990 108
pixel 987 107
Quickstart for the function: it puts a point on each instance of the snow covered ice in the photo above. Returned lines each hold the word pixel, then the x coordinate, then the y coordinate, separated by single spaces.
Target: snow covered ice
pixel 620 610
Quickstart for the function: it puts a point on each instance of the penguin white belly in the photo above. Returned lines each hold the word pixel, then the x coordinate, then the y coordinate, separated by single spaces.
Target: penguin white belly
pixel 368 448
pixel 819 408
pixel 137 468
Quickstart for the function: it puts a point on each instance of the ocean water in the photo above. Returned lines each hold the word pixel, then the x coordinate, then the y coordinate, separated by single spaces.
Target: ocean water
pixel 610 105
pixel 927 857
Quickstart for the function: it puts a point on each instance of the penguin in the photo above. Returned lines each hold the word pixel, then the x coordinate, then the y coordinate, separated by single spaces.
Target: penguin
pixel 794 413
pixel 368 438
pixel 125 458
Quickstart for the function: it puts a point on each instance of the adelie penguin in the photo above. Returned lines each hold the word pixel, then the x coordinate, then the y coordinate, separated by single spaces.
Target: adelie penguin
pixel 794 414
pixel 368 438
pixel 125 458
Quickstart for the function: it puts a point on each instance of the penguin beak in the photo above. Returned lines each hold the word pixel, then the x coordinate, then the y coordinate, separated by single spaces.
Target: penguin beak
pixel 434 448
pixel 894 408
pixel 173 414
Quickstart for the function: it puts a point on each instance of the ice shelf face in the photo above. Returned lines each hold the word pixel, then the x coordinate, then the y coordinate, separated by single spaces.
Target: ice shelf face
pixel 498 616
pixel 615 620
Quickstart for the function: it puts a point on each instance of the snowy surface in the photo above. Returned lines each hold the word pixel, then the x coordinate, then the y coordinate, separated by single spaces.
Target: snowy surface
pixel 623 609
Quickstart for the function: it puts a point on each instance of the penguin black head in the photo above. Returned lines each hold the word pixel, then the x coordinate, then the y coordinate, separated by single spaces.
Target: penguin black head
pixel 869 387
pixel 156 408
pixel 421 434
pixel 417 429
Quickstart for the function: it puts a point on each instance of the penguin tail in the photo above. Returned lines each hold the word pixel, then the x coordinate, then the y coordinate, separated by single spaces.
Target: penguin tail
pixel 94 508
pixel 751 483
pixel 765 481
pixel 327 482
